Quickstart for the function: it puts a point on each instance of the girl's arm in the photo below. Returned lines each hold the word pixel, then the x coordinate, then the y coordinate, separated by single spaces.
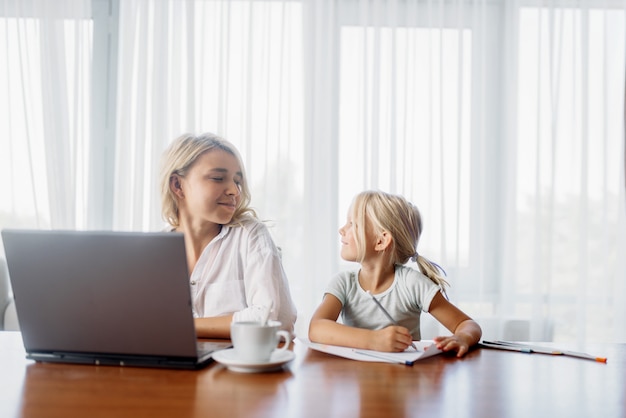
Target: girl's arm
pixel 466 332
pixel 213 327
pixel 325 329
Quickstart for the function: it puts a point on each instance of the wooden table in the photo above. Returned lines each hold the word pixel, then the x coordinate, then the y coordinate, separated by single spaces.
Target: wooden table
pixel 485 383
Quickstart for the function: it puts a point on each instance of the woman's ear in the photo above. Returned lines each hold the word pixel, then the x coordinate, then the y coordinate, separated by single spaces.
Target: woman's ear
pixel 383 241
pixel 175 186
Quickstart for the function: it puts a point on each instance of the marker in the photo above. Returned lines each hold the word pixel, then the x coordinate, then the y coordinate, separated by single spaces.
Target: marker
pixel 393 321
pixel 491 344
pixel 584 355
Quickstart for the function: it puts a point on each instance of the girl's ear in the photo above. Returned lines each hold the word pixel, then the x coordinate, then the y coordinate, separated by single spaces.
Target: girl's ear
pixel 383 241
pixel 175 186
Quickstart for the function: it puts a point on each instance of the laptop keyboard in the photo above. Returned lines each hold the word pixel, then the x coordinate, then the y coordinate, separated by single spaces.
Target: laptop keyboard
pixel 207 347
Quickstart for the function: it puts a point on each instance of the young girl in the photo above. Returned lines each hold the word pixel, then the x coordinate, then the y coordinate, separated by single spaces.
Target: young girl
pixel 381 233
pixel 236 271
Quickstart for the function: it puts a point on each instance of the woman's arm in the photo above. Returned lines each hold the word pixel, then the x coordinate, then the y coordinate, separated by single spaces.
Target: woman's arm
pixel 466 332
pixel 214 327
pixel 265 281
pixel 325 329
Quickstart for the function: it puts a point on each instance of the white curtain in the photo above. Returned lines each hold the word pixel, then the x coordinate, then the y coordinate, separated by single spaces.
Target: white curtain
pixel 563 254
pixel 45 51
pixel 502 120
pixel 570 207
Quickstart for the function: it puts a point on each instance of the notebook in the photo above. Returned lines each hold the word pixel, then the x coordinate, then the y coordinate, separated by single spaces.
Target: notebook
pixel 423 350
pixel 104 298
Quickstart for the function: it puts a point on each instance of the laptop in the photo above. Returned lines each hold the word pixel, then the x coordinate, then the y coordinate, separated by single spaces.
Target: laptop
pixel 105 298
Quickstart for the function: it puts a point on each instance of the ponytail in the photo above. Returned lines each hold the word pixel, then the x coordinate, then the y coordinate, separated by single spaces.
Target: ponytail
pixel 433 271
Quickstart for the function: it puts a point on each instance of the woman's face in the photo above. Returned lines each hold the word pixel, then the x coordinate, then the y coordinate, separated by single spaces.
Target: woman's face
pixel 211 190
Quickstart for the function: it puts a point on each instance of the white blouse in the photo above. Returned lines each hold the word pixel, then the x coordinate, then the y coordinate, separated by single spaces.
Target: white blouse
pixel 240 272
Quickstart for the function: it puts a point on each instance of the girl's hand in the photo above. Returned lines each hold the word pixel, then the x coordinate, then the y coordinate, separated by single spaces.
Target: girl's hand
pixel 392 339
pixel 465 331
pixel 452 343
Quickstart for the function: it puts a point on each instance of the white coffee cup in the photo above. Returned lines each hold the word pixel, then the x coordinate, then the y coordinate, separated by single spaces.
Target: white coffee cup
pixel 254 342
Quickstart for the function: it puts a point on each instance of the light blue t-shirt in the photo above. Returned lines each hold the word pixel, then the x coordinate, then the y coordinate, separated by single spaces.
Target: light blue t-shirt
pixel 410 293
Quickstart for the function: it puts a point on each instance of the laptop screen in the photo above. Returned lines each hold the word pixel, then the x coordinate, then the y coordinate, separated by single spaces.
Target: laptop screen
pixel 119 293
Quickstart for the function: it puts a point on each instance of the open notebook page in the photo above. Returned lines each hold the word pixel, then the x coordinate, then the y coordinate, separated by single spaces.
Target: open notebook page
pixel 425 349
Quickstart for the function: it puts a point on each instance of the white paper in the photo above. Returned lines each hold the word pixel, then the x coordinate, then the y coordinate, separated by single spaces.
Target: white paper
pixel 425 349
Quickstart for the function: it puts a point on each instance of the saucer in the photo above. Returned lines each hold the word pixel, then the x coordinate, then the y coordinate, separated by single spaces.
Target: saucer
pixel 229 358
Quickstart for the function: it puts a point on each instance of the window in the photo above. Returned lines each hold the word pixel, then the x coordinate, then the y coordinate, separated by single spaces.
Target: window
pixel 44 113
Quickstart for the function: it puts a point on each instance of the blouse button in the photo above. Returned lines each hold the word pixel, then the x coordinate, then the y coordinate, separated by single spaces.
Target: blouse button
pixel 193 282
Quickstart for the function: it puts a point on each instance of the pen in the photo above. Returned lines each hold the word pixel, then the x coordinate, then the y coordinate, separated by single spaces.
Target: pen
pixel 393 321
pixel 557 351
pixel 506 345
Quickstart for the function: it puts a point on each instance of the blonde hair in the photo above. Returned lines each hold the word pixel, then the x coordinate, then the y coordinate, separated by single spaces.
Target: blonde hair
pixel 180 156
pixel 381 211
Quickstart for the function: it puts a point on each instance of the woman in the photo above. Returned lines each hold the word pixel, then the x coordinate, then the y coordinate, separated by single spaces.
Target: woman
pixel 236 271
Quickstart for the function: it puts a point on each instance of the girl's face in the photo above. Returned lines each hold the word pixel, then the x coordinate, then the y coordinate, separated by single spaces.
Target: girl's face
pixel 349 251
pixel 348 243
pixel 211 189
